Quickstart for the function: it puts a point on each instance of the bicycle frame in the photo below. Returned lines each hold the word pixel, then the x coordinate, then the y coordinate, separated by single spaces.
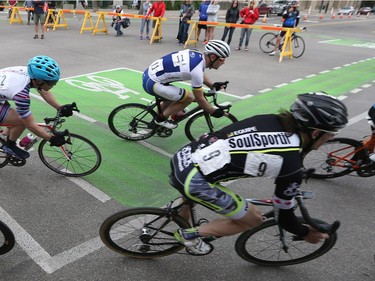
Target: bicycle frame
pixel 368 148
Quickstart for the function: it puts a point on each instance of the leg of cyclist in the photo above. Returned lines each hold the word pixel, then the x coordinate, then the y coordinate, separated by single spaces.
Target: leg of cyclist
pixel 277 44
pixel 176 100
pixel 238 214
pixel 9 115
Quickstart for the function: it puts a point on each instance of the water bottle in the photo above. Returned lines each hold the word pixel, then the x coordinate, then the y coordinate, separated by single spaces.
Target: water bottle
pixel 26 140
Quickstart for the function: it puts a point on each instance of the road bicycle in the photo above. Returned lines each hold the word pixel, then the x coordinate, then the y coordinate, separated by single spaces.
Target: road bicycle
pixel 342 156
pixel 7 239
pixel 134 121
pixel 268 41
pixel 78 157
pixel 149 233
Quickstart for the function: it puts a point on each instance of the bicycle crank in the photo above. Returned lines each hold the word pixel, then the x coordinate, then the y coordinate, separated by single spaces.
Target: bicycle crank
pixel 164 132
pixel 366 170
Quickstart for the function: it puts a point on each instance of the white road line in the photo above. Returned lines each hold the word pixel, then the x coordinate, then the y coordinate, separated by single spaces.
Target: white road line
pixel 366 86
pixel 355 91
pixel 89 188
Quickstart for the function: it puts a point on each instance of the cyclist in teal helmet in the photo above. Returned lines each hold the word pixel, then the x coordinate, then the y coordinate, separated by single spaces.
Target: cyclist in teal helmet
pixel 41 73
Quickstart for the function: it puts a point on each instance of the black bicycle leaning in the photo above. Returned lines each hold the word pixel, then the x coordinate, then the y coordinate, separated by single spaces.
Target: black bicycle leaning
pixel 268 41
pixel 148 233
pixel 7 239
pixel 134 121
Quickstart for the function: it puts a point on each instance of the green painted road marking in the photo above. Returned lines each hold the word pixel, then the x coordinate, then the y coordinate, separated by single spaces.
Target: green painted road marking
pixel 137 176
pixel 351 43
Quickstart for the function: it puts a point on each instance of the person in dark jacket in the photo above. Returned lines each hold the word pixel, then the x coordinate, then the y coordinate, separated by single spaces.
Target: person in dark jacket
pixel 232 16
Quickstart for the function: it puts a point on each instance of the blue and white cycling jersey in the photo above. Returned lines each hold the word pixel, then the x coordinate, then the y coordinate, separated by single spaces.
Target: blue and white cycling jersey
pixel 291 18
pixel 178 66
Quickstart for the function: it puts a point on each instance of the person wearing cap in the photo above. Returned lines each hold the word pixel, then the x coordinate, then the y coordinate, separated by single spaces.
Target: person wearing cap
pixel 41 74
pixel 184 65
pixel 291 18
pixel 266 145
pixel 117 20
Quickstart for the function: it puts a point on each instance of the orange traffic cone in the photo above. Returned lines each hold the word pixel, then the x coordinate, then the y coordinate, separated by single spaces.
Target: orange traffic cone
pixel 264 18
pixel 305 17
pixel 350 15
pixel 341 16
pixel 333 16
pixel 321 17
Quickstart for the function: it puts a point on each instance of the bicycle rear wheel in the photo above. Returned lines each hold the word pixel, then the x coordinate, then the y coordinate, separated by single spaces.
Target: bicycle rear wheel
pixel 261 245
pixel 267 42
pixel 4 158
pixel 7 239
pixel 132 121
pixel 142 232
pixel 202 122
pixel 298 45
pixel 80 158
pixel 326 160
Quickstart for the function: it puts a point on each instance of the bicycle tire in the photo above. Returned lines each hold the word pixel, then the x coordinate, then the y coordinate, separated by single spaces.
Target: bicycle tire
pixel 125 232
pixel 261 245
pixel 125 123
pixel 80 158
pixel 202 123
pixel 322 159
pixel 7 239
pixel 267 42
pixel 4 157
pixel 298 45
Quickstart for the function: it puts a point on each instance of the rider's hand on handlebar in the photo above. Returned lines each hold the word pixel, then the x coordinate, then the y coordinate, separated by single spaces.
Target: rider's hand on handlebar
pixel 57 141
pixel 67 109
pixel 315 236
pixel 218 113
pixel 219 85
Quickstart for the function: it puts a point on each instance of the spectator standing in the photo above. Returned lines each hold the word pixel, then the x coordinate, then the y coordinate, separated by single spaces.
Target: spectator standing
pixel 146 6
pixel 39 18
pixel 212 15
pixel 203 17
pixel 84 4
pixel 158 10
pixel 117 20
pixel 30 13
pixel 187 13
pixel 232 16
pixel 250 15
pixel 179 34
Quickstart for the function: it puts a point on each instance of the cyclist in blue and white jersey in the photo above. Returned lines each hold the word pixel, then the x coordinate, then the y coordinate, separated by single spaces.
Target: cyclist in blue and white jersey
pixel 183 66
pixel 291 18
pixel 41 73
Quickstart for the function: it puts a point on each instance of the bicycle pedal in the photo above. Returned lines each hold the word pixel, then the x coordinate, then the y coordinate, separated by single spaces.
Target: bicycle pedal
pixel 164 132
pixel 16 161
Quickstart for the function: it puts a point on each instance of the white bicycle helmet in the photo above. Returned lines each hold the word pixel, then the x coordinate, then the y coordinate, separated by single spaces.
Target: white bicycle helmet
pixel 218 48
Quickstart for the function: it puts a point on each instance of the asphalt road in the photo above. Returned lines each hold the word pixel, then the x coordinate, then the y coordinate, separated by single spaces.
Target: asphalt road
pixel 56 222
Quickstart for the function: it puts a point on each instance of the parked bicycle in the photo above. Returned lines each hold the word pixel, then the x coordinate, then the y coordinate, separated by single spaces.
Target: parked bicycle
pixel 268 41
pixel 342 156
pixel 148 233
pixel 78 157
pixel 134 121
pixel 7 239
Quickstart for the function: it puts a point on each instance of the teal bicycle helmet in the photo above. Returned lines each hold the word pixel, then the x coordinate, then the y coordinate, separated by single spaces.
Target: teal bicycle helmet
pixel 43 68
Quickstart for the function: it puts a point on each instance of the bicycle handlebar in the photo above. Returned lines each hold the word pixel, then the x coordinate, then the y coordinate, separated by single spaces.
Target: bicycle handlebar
pixel 213 92
pixel 57 120
pixel 324 228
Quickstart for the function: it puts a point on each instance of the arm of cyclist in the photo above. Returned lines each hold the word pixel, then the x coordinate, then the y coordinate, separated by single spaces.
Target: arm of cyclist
pixel 65 110
pixel 205 105
pixel 283 200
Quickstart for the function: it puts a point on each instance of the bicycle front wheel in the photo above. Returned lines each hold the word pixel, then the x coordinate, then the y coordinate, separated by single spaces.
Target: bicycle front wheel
pixel 298 45
pixel 132 121
pixel 7 239
pixel 80 158
pixel 202 122
pixel 267 42
pixel 142 232
pixel 261 245
pixel 4 158
pixel 333 159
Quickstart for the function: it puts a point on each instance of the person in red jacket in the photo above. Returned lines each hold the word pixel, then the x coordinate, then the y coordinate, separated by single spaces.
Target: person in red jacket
pixel 158 8
pixel 250 15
